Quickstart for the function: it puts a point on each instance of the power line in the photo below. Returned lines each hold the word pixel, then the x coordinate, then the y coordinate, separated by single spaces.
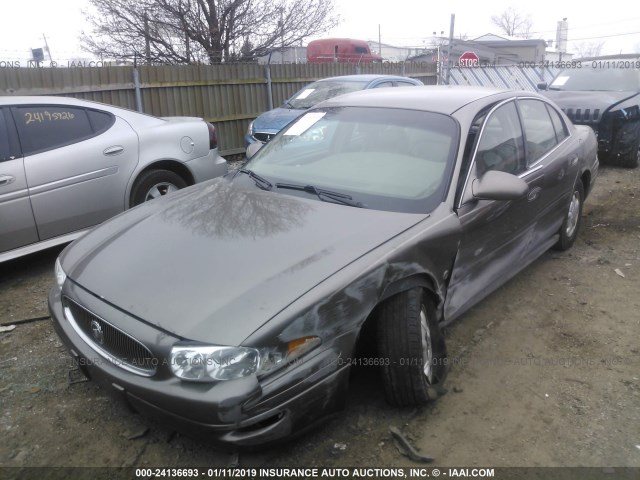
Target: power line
pixel 605 36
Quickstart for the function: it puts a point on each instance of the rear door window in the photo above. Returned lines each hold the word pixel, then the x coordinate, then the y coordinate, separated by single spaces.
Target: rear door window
pixel 558 124
pixel 538 130
pixel 45 127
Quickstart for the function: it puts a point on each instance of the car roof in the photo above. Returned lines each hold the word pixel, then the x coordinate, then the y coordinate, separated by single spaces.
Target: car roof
pixel 364 78
pixel 127 114
pixel 442 99
pixel 38 99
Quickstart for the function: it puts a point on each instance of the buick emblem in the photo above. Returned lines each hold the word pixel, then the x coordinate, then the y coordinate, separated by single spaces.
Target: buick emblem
pixel 96 332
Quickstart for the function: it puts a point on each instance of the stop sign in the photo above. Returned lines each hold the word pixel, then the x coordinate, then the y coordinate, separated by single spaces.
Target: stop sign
pixel 469 59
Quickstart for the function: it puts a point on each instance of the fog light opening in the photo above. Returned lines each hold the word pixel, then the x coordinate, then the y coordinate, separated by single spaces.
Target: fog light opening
pixel 267 422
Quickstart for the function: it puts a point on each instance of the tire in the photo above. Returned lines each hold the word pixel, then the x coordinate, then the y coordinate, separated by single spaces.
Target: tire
pixel 155 183
pixel 411 343
pixel 572 219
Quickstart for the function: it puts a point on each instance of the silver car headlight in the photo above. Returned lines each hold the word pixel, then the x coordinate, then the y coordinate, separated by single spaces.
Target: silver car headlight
pixel 60 275
pixel 204 363
pixel 250 130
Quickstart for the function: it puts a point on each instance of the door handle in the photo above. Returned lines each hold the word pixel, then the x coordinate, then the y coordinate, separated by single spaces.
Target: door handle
pixel 6 180
pixel 115 150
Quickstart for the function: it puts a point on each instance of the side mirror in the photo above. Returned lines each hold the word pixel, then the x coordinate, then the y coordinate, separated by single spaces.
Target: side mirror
pixel 253 149
pixel 542 86
pixel 495 185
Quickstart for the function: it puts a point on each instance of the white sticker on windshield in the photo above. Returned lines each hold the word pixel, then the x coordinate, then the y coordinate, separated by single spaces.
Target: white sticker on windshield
pixel 305 123
pixel 560 81
pixel 305 93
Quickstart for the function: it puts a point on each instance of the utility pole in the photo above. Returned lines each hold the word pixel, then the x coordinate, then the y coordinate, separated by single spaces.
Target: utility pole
pixel 379 41
pixel 47 47
pixel 453 21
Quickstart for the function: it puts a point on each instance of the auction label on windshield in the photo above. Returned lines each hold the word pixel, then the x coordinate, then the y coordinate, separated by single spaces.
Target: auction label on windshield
pixel 305 123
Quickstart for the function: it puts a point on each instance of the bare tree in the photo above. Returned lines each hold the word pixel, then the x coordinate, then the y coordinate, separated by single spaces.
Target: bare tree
pixel 513 23
pixel 208 31
pixel 589 49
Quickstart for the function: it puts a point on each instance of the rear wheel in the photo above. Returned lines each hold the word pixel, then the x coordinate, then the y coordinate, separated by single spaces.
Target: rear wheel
pixel 572 219
pixel 413 348
pixel 154 184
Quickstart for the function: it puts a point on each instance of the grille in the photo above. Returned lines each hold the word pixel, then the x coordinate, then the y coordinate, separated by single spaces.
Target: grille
pixel 585 116
pixel 263 137
pixel 111 342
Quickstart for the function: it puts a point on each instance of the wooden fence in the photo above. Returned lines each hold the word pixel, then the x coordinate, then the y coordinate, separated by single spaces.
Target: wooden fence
pixel 230 95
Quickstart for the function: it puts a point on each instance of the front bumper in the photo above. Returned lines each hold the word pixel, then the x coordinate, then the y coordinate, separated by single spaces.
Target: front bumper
pixel 241 413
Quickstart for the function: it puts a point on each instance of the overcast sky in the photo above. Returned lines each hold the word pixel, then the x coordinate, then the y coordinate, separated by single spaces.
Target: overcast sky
pixel 402 23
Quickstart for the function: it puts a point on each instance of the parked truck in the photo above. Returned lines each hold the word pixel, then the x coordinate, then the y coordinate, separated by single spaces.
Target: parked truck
pixel 340 50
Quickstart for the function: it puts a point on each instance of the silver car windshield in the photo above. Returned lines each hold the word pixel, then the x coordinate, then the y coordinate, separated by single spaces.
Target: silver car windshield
pixel 319 91
pixel 383 158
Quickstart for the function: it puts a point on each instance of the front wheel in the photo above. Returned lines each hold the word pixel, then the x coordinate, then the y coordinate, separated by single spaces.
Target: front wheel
pixel 410 341
pixel 572 219
pixel 154 184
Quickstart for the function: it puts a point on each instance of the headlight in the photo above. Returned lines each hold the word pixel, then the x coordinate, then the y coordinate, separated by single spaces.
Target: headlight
pixel 203 363
pixel 250 129
pixel 60 275
pixel 631 113
pixel 274 359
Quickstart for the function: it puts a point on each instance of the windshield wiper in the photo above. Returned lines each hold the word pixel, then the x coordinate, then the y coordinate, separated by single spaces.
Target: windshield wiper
pixel 323 195
pixel 292 107
pixel 261 182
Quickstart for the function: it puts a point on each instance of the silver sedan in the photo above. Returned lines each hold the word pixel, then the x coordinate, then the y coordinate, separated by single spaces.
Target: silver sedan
pixel 67 165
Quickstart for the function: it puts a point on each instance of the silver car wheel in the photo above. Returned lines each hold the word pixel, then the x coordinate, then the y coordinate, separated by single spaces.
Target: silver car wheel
pixel 427 346
pixel 160 189
pixel 573 214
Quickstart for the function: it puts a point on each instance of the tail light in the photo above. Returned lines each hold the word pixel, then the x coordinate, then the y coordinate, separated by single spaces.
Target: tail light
pixel 213 138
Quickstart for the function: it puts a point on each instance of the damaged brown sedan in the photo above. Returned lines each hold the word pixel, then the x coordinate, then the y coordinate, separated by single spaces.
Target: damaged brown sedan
pixel 235 307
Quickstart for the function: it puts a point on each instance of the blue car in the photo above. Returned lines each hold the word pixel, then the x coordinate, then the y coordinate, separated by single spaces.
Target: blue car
pixel 263 128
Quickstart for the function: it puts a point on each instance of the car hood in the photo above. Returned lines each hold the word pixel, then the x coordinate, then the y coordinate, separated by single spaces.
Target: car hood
pixel 214 262
pixel 276 119
pixel 593 100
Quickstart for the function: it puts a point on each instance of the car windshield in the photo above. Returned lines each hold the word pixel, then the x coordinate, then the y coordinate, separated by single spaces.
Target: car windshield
pixel 606 79
pixel 318 91
pixel 380 158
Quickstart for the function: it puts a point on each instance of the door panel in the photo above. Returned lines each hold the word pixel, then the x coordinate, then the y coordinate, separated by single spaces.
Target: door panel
pixel 497 237
pixel 496 234
pixel 81 184
pixel 17 226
